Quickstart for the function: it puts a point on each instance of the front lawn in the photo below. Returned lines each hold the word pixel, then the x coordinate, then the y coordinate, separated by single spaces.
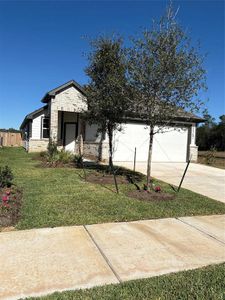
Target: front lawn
pixel 59 196
pixel 203 284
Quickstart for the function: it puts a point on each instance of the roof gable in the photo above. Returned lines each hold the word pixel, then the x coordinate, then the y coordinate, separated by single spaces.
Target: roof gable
pixel 61 88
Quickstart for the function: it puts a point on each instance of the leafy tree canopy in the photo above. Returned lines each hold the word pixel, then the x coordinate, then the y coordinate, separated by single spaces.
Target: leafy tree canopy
pixel 107 92
pixel 166 72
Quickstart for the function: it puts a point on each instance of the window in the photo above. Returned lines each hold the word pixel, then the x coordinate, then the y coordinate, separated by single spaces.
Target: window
pixel 45 128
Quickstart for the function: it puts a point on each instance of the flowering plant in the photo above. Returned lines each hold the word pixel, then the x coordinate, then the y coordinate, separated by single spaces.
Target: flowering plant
pixel 145 187
pixel 8 192
pixel 158 189
pixel 10 204
pixel 5 198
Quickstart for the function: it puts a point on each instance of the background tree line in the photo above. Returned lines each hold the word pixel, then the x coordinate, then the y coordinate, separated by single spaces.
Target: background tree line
pixel 13 130
pixel 211 134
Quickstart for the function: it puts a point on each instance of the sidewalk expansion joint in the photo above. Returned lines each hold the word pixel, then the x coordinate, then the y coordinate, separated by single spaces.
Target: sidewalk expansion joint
pixel 202 231
pixel 103 255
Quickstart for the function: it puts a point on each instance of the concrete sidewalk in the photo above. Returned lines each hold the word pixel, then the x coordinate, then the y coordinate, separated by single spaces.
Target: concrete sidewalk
pixel 201 179
pixel 41 261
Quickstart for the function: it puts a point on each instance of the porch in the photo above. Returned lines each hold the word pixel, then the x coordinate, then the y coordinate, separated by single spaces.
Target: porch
pixel 69 128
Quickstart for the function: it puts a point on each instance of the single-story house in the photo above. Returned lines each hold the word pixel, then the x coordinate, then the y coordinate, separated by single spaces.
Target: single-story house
pixel 60 119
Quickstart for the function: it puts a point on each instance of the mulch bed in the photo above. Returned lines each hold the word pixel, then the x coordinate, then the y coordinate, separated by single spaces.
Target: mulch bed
pixel 150 195
pixel 46 164
pixel 106 179
pixel 10 209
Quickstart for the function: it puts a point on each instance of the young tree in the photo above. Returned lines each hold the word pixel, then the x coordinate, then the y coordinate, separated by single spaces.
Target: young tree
pixel 107 90
pixel 167 74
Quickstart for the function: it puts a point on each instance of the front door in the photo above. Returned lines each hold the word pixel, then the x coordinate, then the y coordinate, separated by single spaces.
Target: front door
pixel 70 133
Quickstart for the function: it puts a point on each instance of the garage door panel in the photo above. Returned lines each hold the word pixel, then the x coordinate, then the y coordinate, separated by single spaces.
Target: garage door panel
pixel 170 146
pixel 132 135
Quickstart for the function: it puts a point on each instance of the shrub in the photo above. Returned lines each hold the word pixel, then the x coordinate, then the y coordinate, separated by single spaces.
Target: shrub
pixel 6 176
pixel 210 156
pixel 54 157
pixel 65 157
pixel 52 148
pixel 43 153
pixel 78 159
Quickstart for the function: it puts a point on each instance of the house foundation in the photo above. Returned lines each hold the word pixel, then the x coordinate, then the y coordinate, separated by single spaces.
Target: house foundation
pixel 37 145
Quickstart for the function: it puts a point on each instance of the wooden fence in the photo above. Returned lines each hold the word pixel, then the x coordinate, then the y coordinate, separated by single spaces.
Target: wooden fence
pixel 10 139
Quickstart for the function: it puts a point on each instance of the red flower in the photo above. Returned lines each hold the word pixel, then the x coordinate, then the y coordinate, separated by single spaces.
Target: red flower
pixel 5 204
pixel 5 198
pixel 157 189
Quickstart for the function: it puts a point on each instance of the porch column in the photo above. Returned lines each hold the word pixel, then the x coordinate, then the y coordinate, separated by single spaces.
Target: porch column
pixel 193 148
pixel 54 123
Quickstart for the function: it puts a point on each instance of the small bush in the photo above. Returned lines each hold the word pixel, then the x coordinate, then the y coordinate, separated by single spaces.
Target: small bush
pixel 54 157
pixel 52 160
pixel 65 157
pixel 210 156
pixel 43 153
pixel 78 160
pixel 52 148
pixel 6 177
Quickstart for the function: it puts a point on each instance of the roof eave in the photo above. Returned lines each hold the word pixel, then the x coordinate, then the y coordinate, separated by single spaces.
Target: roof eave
pixel 132 116
pixel 190 119
pixel 31 115
pixel 46 98
pixel 25 121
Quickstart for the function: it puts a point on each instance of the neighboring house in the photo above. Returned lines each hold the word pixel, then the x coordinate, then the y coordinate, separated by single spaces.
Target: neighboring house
pixel 61 120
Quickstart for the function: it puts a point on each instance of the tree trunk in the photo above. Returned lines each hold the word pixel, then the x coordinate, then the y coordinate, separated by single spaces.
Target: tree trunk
pixel 100 147
pixel 151 134
pixel 110 134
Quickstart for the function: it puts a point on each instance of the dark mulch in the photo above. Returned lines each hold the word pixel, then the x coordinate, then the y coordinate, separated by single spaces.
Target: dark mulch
pixel 150 195
pixel 55 164
pixel 119 171
pixel 44 163
pixel 106 178
pixel 10 210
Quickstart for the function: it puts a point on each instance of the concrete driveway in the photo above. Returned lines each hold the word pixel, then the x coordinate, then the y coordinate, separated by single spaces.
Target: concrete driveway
pixel 201 179
pixel 40 261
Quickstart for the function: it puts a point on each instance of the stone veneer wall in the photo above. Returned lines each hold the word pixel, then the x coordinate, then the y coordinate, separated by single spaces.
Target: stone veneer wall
pixel 69 100
pixel 91 150
pixel 194 153
pixel 37 145
pixel 193 149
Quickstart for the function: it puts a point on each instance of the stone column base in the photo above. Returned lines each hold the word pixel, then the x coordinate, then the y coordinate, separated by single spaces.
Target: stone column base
pixel 193 153
pixel 91 150
pixel 37 145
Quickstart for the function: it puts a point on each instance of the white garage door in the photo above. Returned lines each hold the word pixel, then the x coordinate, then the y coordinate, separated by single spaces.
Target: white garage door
pixel 170 146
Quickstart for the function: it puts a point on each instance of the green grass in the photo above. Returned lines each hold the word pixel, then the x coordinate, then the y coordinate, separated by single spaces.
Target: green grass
pixel 206 284
pixel 57 197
